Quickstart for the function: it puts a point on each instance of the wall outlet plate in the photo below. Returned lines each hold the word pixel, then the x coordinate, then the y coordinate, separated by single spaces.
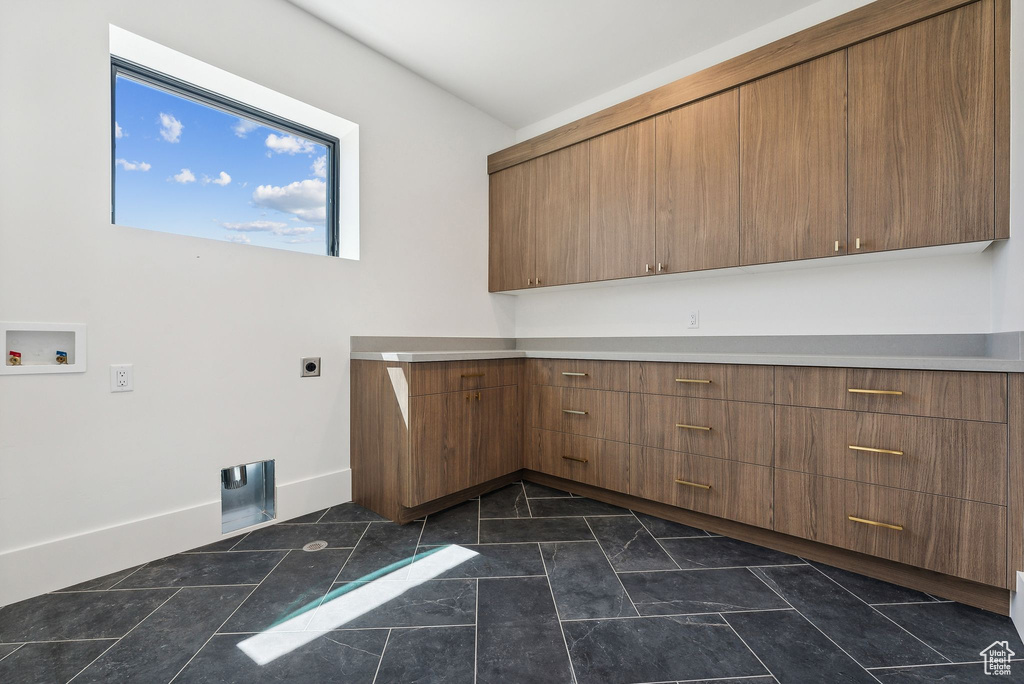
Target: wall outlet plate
pixel 311 367
pixel 693 320
pixel 122 377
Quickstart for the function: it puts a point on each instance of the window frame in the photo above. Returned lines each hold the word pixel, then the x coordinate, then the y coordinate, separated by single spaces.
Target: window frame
pixel 150 77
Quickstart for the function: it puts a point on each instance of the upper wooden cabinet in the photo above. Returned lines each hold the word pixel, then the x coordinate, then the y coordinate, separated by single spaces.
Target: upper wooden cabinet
pixel 622 202
pixel 511 263
pixel 563 216
pixel 698 185
pixel 793 163
pixel 922 133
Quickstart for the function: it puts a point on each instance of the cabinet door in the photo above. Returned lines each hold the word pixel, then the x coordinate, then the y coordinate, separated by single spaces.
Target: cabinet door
pixel 563 215
pixel 793 163
pixel 511 263
pixel 438 458
pixel 922 133
pixel 698 185
pixel 493 433
pixel 622 202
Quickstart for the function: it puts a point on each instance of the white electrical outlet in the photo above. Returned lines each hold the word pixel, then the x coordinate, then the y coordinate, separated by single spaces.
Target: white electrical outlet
pixel 694 320
pixel 122 378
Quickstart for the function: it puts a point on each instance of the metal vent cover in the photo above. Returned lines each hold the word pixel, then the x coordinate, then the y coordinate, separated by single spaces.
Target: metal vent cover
pixel 318 545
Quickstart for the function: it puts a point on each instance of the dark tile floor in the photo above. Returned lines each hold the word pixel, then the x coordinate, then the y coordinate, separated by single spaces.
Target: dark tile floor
pixel 526 584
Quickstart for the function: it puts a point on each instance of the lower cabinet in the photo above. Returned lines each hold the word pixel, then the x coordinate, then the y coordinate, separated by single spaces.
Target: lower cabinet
pixel 597 462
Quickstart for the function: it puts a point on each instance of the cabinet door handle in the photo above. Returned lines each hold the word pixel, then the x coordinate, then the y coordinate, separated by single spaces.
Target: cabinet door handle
pixel 472 375
pixel 855 390
pixel 647 268
pixel 575 375
pixel 875 523
pixel 837 245
pixel 693 427
pixel 529 281
pixel 661 267
pixel 876 451
pixel 538 281
pixel 473 396
pixel 693 484
pixel 575 413
pixel 696 382
pixel 858 243
pixel 573 458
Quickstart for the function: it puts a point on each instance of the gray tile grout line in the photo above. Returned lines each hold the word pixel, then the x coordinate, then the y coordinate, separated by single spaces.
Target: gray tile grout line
pixel 343 629
pixel 341 570
pixel 811 623
pixel 107 649
pixel 326 511
pixel 611 566
pixel 675 615
pixel 479 507
pixel 744 642
pixel 16 650
pixel 125 577
pixel 241 538
pixel 558 617
pixel 726 679
pixel 929 646
pixel 476 631
pixel 381 659
pixel 439 579
pixel 724 567
pixel 529 509
pixel 231 615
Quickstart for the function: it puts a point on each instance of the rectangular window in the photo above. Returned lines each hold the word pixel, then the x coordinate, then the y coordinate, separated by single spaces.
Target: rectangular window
pixel 189 161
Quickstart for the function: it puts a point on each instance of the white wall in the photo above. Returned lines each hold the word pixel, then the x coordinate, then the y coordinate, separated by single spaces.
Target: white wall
pixel 215 330
pixel 938 294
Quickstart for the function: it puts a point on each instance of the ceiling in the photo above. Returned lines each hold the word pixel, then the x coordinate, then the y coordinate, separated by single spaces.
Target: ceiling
pixel 524 60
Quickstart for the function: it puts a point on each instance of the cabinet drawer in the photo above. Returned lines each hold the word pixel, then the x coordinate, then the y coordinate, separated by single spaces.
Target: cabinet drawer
pixel 952 536
pixel 606 375
pixel 592 413
pixel 954 458
pixel 941 394
pixel 454 376
pixel 592 461
pixel 736 491
pixel 738 431
pixel 703 380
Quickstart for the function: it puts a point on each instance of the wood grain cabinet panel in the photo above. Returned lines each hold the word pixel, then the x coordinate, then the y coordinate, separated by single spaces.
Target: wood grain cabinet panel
pixel 512 231
pixel 592 413
pixel 952 536
pixel 622 202
pixel 953 458
pixel 922 133
pixel 736 491
pixel 698 185
pixel 703 380
pixel 598 462
pixel 733 430
pixel 494 433
pixel 453 376
pixel 439 461
pixel 941 394
pixel 605 375
pixel 793 163
pixel 562 215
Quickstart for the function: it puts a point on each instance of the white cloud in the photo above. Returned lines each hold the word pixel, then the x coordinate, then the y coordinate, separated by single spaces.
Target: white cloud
pixel 303 240
pixel 170 128
pixel 256 226
pixel 319 166
pixel 288 144
pixel 118 133
pixel 185 176
pixel 133 165
pixel 294 230
pixel 239 238
pixel 221 180
pixel 306 199
pixel 244 127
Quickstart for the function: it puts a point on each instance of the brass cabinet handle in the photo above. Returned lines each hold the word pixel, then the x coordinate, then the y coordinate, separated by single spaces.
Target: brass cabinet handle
pixel 697 382
pixel 575 375
pixel 573 458
pixel 693 484
pixel 876 451
pixel 875 523
pixel 472 396
pixel 472 375
pixel 692 427
pixel 538 280
pixel 858 243
pixel 529 281
pixel 647 268
pixel 661 267
pixel 854 390
pixel 575 413
pixel 837 245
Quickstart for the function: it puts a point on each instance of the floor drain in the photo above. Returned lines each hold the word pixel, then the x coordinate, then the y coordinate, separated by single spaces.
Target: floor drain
pixel 315 546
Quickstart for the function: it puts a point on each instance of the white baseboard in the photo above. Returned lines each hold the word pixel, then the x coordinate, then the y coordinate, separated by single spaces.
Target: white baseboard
pixel 51 565
pixel 1017 604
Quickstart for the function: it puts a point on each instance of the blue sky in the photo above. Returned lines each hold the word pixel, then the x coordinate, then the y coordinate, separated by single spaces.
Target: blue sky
pixel 182 167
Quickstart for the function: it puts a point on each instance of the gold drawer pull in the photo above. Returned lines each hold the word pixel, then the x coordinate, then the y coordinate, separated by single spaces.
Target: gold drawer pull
pixel 693 484
pixel 472 375
pixel 898 528
pixel 692 427
pixel 697 382
pixel 573 458
pixel 575 375
pixel 894 393
pixel 876 451
pixel 470 396
pixel 575 413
